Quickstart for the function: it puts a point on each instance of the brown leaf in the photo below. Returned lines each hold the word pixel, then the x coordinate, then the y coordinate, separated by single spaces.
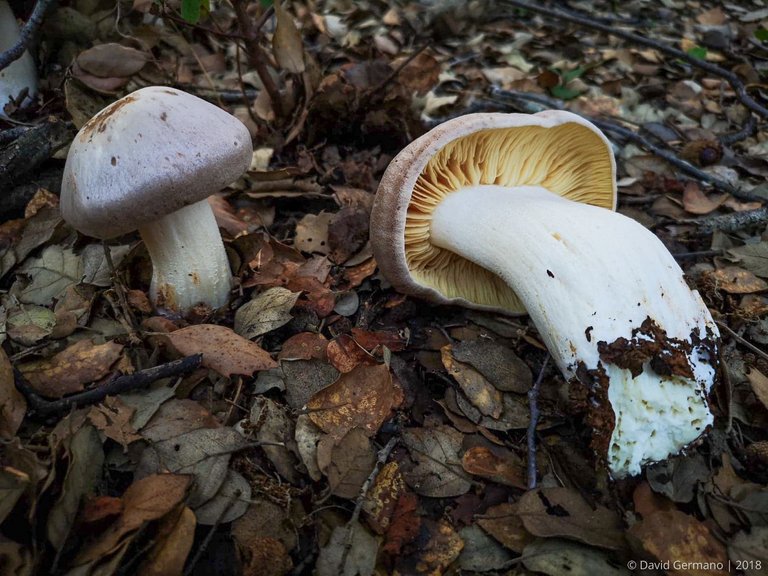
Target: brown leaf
pixel 696 202
pixel 287 44
pixel 304 346
pixel 759 383
pixel 114 419
pixel 351 463
pixel 362 398
pixel 436 471
pixel 67 371
pixel 370 340
pixel 12 403
pixel 405 524
pixel 381 500
pixel 145 500
pixel 173 542
pixel 420 74
pixel 562 512
pixel 222 349
pixel 226 217
pixel 110 60
pixel 481 393
pixel 503 523
pixel 481 461
pixel 345 354
pixel 675 537
pixel 735 280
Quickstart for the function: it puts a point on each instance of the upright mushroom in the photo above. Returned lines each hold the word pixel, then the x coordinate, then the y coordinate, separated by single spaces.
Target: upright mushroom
pixel 514 213
pixel 148 162
pixel 19 79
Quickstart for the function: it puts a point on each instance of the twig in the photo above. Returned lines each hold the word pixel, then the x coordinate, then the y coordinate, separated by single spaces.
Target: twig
pixel 43 407
pixel 381 85
pixel 27 34
pixel 256 55
pixel 533 403
pixel 742 340
pixel 11 134
pixel 738 86
pixel 381 459
pixel 732 222
pixel 612 128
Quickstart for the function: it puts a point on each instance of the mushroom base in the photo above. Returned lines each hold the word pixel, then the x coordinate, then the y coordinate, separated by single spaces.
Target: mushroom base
pixel 606 297
pixel 190 264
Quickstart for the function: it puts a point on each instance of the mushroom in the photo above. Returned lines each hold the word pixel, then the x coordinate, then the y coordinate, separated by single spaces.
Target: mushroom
pixel 148 162
pixel 18 81
pixel 514 213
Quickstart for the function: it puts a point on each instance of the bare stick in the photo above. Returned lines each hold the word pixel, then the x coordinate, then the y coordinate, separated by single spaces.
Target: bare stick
pixel 533 403
pixel 738 86
pixel 733 222
pixel 381 459
pixel 119 385
pixel 27 34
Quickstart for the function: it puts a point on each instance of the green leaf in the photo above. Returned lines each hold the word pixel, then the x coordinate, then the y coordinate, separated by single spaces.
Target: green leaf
pixel 564 93
pixel 573 74
pixel 191 10
pixel 761 34
pixel 698 52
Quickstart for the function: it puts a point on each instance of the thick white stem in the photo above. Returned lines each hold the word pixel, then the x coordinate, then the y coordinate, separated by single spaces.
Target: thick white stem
pixel 20 74
pixel 586 275
pixel 189 260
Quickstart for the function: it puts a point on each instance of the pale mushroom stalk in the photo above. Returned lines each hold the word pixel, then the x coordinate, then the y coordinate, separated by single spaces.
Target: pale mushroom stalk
pixel 20 74
pixel 580 289
pixel 188 258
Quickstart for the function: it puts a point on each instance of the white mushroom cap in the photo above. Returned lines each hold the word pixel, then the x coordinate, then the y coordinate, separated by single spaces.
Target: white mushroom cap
pixel 147 155
pixel 20 74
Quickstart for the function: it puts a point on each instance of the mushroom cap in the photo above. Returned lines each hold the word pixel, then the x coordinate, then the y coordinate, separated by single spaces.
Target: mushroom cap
pixel 147 155
pixel 556 150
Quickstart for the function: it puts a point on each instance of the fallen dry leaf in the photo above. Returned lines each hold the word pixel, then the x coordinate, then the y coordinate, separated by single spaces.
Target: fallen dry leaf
pixel 223 350
pixel 145 500
pixel 735 280
pixel 114 419
pixel 483 462
pixel 481 393
pixel 759 383
pixel 503 523
pixel 304 346
pixel 362 398
pixel 12 403
pixel 382 498
pixel 173 542
pixel 69 370
pixel 436 471
pixel 675 537
pixel 562 512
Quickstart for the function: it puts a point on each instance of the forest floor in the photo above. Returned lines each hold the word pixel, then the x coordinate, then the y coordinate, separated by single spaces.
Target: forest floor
pixel 320 422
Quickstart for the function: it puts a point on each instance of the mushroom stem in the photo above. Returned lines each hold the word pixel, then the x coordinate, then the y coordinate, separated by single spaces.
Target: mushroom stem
pixel 189 260
pixel 20 74
pixel 610 303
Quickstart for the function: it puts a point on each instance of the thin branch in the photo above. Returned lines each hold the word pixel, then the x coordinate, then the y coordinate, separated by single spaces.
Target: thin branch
pixel 732 222
pixel 533 404
pixel 27 34
pixel 736 83
pixel 119 385
pixel 381 459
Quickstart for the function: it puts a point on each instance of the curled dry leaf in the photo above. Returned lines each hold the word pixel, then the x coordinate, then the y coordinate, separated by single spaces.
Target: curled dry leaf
pixel 362 398
pixel 67 371
pixel 112 60
pixel 223 350
pixel 113 418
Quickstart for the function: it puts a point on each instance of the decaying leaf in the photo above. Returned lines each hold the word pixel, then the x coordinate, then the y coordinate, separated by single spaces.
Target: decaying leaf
pixel 13 407
pixel 229 503
pixel 351 551
pixel 50 274
pixel 503 523
pixel 735 280
pixel 348 463
pixel 436 470
pixel 113 418
pixel 555 557
pixel 265 312
pixel 273 427
pixel 562 512
pixel 312 233
pixel 223 350
pixel 481 553
pixel 362 398
pixel 481 393
pixel 69 370
pixel 507 469
pixel 173 543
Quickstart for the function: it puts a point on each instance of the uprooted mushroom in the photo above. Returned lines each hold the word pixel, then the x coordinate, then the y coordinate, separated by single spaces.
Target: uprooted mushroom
pixel 514 213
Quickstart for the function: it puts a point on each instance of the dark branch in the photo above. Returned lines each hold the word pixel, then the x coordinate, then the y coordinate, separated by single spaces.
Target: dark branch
pixel 27 34
pixel 119 385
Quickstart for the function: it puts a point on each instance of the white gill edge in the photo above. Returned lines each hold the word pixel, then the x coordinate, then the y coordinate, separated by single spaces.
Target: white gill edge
pixel 575 267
